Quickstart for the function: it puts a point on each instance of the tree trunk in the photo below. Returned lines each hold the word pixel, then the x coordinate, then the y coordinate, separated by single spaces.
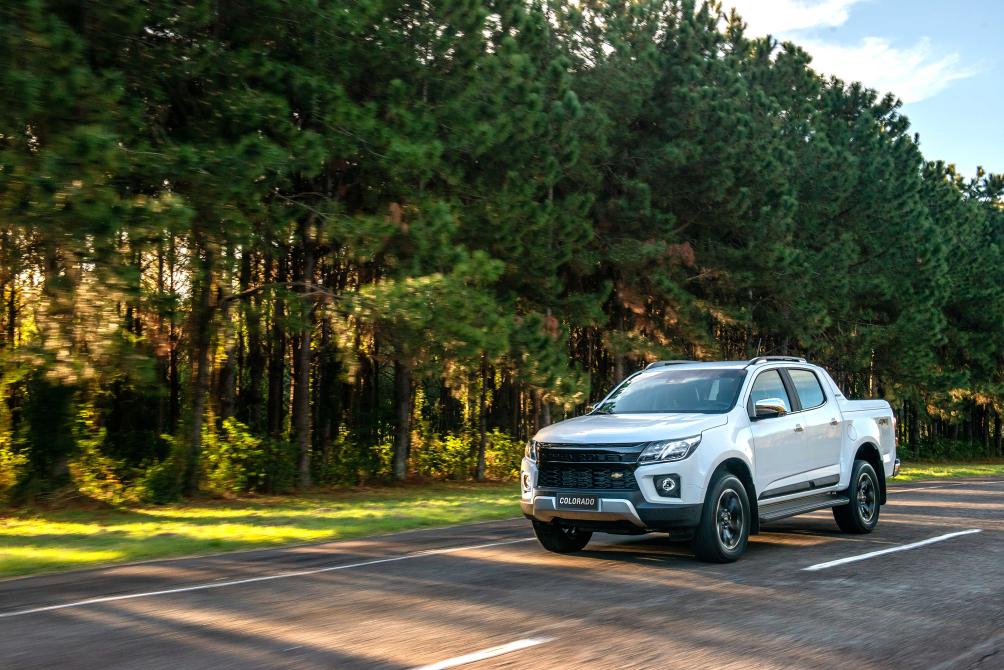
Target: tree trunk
pixel 226 382
pixel 277 359
pixel 11 314
pixel 228 371
pixel 482 420
pixel 444 414
pixel 914 428
pixel 535 403
pixel 174 383
pixel 618 368
pixel 327 395
pixel 985 428
pixel 514 420
pixel 201 339
pixel 402 419
pixel 161 362
pixel 7 273
pixel 301 389
pixel 997 433
pixel 250 398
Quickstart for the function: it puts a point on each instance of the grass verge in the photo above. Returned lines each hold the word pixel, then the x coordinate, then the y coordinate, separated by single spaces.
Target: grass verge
pixel 919 470
pixel 33 541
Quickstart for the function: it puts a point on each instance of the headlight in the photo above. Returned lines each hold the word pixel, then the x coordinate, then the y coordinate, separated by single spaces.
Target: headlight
pixel 669 450
pixel 531 450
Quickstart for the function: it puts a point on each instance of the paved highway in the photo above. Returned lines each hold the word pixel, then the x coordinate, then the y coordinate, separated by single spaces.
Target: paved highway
pixel 486 595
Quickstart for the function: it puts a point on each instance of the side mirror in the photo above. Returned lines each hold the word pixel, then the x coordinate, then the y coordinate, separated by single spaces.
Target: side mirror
pixel 590 408
pixel 767 408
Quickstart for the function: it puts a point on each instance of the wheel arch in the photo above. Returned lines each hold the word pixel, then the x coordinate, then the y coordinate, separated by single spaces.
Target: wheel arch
pixel 869 452
pixel 739 468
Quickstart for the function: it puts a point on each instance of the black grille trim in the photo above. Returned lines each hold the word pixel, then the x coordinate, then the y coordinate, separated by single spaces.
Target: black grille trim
pixel 602 467
pixel 590 453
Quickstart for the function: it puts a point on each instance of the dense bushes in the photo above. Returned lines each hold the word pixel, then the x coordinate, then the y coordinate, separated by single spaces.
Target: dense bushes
pixel 234 461
pixel 456 456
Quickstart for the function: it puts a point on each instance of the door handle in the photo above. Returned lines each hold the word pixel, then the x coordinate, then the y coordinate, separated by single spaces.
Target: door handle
pixel 834 421
pixel 798 428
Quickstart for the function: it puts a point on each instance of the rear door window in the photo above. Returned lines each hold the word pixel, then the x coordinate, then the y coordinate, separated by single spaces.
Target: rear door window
pixel 810 393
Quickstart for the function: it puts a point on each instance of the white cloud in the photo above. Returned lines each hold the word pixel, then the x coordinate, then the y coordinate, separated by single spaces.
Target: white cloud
pixel 912 73
pixel 782 16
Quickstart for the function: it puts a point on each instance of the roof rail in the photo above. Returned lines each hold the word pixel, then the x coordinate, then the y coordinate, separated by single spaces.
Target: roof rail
pixel 659 364
pixel 786 359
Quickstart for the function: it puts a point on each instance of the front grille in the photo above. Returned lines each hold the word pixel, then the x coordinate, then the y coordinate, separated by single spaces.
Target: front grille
pixel 610 467
pixel 553 475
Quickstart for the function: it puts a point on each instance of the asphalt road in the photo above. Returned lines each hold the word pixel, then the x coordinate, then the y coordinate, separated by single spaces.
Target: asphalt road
pixel 435 597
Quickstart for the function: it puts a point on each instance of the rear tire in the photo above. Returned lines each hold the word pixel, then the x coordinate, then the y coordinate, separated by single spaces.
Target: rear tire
pixel 862 514
pixel 724 528
pixel 560 539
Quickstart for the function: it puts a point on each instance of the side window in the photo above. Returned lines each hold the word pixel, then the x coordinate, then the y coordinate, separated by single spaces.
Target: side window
pixel 769 385
pixel 810 393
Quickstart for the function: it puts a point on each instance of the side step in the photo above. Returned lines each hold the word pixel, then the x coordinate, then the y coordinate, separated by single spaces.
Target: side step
pixel 788 508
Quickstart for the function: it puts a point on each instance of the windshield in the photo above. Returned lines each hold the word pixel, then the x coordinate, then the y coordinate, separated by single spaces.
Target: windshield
pixel 706 391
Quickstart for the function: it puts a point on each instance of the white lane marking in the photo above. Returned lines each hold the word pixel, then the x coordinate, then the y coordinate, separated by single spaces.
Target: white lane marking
pixel 904 547
pixel 486 653
pixel 264 578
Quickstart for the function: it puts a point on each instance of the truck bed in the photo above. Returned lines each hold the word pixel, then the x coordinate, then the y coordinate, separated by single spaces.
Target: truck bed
pixel 869 405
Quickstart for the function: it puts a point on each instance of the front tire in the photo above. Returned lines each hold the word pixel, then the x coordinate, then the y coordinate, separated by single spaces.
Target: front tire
pixel 862 514
pixel 560 539
pixel 724 528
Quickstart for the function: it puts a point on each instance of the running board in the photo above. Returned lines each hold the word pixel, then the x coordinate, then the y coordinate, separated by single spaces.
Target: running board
pixel 788 508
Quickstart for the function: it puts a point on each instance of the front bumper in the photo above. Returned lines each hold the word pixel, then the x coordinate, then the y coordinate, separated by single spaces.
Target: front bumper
pixel 621 511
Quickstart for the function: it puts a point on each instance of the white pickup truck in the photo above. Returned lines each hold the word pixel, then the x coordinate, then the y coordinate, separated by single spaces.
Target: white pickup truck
pixel 712 450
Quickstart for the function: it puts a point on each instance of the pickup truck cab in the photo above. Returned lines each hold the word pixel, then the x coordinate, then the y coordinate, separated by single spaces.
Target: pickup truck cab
pixel 713 451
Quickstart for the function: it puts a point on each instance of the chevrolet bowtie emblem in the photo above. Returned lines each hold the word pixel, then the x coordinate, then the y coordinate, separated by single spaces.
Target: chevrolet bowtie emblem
pixel 616 475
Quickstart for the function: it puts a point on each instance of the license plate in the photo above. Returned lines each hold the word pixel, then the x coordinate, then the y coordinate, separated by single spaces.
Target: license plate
pixel 576 501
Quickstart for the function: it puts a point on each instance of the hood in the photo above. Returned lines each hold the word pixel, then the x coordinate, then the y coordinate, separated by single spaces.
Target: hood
pixel 613 428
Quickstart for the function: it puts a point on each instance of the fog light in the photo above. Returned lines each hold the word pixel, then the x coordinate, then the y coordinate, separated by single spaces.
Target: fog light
pixel 668 486
pixel 526 481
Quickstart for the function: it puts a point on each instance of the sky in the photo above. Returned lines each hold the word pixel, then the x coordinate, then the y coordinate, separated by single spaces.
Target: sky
pixel 943 58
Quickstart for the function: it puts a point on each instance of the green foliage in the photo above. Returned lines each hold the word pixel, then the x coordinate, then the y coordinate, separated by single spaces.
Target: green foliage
pixel 443 458
pixel 409 310
pixel 503 456
pixel 161 483
pixel 944 449
pixel 12 469
pixel 455 456
pixel 95 474
pixel 47 435
pixel 433 219
pixel 236 461
pixel 351 463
